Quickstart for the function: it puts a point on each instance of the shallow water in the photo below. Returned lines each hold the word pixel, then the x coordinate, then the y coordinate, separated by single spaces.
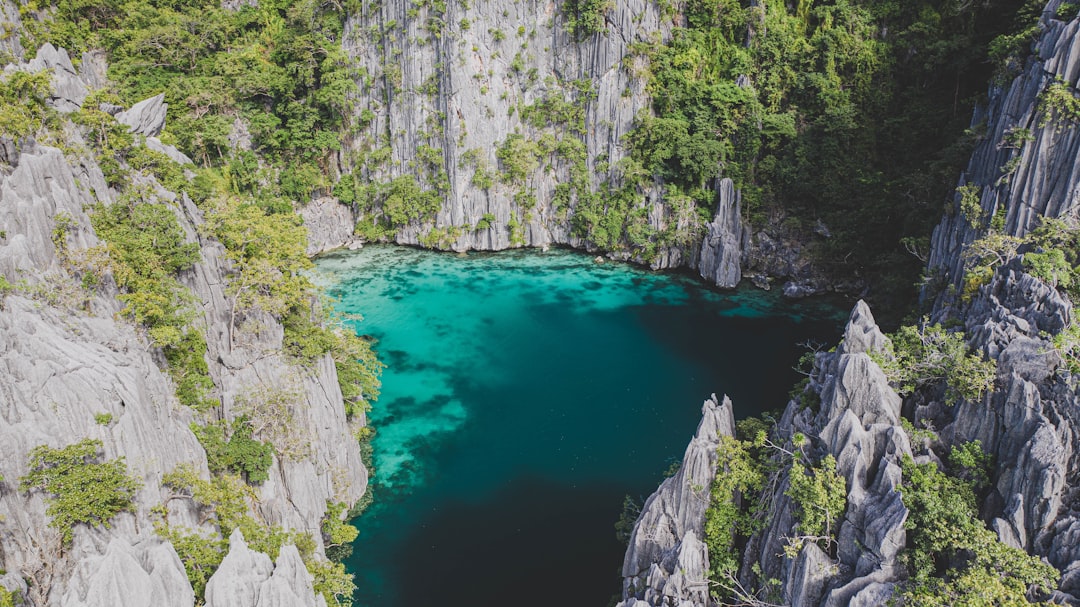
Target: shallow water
pixel 526 394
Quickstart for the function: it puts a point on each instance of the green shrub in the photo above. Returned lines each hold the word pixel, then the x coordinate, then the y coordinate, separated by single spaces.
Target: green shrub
pixel 103 419
pixel 726 519
pixel 22 102
pixel 338 534
pixel 231 448
pixel 820 498
pixel 147 249
pixel 1058 103
pixel 920 355
pixel 188 368
pixel 79 487
pixel 953 558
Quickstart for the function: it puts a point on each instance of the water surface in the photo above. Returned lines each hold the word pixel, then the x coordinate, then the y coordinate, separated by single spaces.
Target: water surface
pixel 526 394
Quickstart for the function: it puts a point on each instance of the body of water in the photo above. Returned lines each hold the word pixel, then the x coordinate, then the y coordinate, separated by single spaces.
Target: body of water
pixel 526 394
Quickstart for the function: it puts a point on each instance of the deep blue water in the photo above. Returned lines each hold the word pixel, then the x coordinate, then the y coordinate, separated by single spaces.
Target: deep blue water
pixel 526 394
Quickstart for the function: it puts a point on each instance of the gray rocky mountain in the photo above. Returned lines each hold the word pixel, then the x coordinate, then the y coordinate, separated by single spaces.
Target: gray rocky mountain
pixel 1028 424
pixel 67 357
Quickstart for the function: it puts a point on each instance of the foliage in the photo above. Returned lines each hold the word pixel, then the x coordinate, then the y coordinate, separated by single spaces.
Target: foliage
pixel 1058 103
pixel 147 249
pixel 922 354
pixel 22 102
pixel 1053 254
pixel 231 447
pixel 631 510
pixel 80 488
pixel 268 411
pixel 268 254
pixel 200 553
pixel 585 18
pixel 970 463
pixel 853 112
pixel 485 222
pixel 982 258
pixel 970 205
pixel 9 598
pixel 740 476
pixel 332 581
pixel 188 368
pixel 111 141
pixel 820 497
pixel 103 419
pixel 1067 345
pixel 310 336
pixel 278 65
pixel 338 534
pixel 224 500
pixel 953 558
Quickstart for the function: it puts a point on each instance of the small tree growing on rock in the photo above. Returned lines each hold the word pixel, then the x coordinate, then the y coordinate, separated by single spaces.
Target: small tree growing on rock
pixel 79 486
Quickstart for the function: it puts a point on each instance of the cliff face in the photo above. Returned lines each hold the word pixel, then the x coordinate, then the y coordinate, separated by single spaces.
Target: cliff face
pixel 456 81
pixel 67 356
pixel 1028 423
pixel 1025 166
pixel 445 88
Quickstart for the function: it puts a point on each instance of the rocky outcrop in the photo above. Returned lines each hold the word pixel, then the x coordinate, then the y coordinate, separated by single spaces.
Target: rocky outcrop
pixel 10 47
pixel 329 224
pixel 148 573
pixel 666 561
pixel 146 117
pixel 1023 170
pixel 721 257
pixel 248 579
pixel 454 82
pixel 443 91
pixel 75 368
pixel 69 90
pixel 1025 166
pixel 858 424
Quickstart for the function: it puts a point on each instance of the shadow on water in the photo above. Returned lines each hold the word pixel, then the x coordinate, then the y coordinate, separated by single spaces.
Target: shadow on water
pixel 456 550
pixel 526 395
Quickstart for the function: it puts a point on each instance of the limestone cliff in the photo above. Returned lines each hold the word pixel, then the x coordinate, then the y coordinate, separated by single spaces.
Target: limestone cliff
pixel 445 87
pixel 74 368
pixel 666 561
pixel 1024 169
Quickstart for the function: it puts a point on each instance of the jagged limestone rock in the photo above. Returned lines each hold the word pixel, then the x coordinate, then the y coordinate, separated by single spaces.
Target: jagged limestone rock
pixel 248 579
pixel 1020 182
pixel 69 90
pixel 665 561
pixel 10 45
pixel 146 117
pixel 237 580
pixel 858 425
pixel 67 355
pixel 722 248
pixel 148 573
pixel 330 225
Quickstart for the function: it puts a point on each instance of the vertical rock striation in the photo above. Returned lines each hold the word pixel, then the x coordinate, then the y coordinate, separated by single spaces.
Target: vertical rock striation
pixel 666 561
pixel 68 356
pixel 1025 168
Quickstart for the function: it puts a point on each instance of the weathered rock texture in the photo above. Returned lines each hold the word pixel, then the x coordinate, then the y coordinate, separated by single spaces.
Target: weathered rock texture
pixel 1029 423
pixel 442 92
pixel 67 354
pixel 1018 180
pixel 248 579
pixel 858 424
pixel 666 561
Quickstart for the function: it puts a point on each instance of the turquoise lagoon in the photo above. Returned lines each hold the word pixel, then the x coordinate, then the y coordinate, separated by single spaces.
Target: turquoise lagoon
pixel 526 393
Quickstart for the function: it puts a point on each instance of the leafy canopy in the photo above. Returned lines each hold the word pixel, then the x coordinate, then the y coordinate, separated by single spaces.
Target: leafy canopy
pixel 79 487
